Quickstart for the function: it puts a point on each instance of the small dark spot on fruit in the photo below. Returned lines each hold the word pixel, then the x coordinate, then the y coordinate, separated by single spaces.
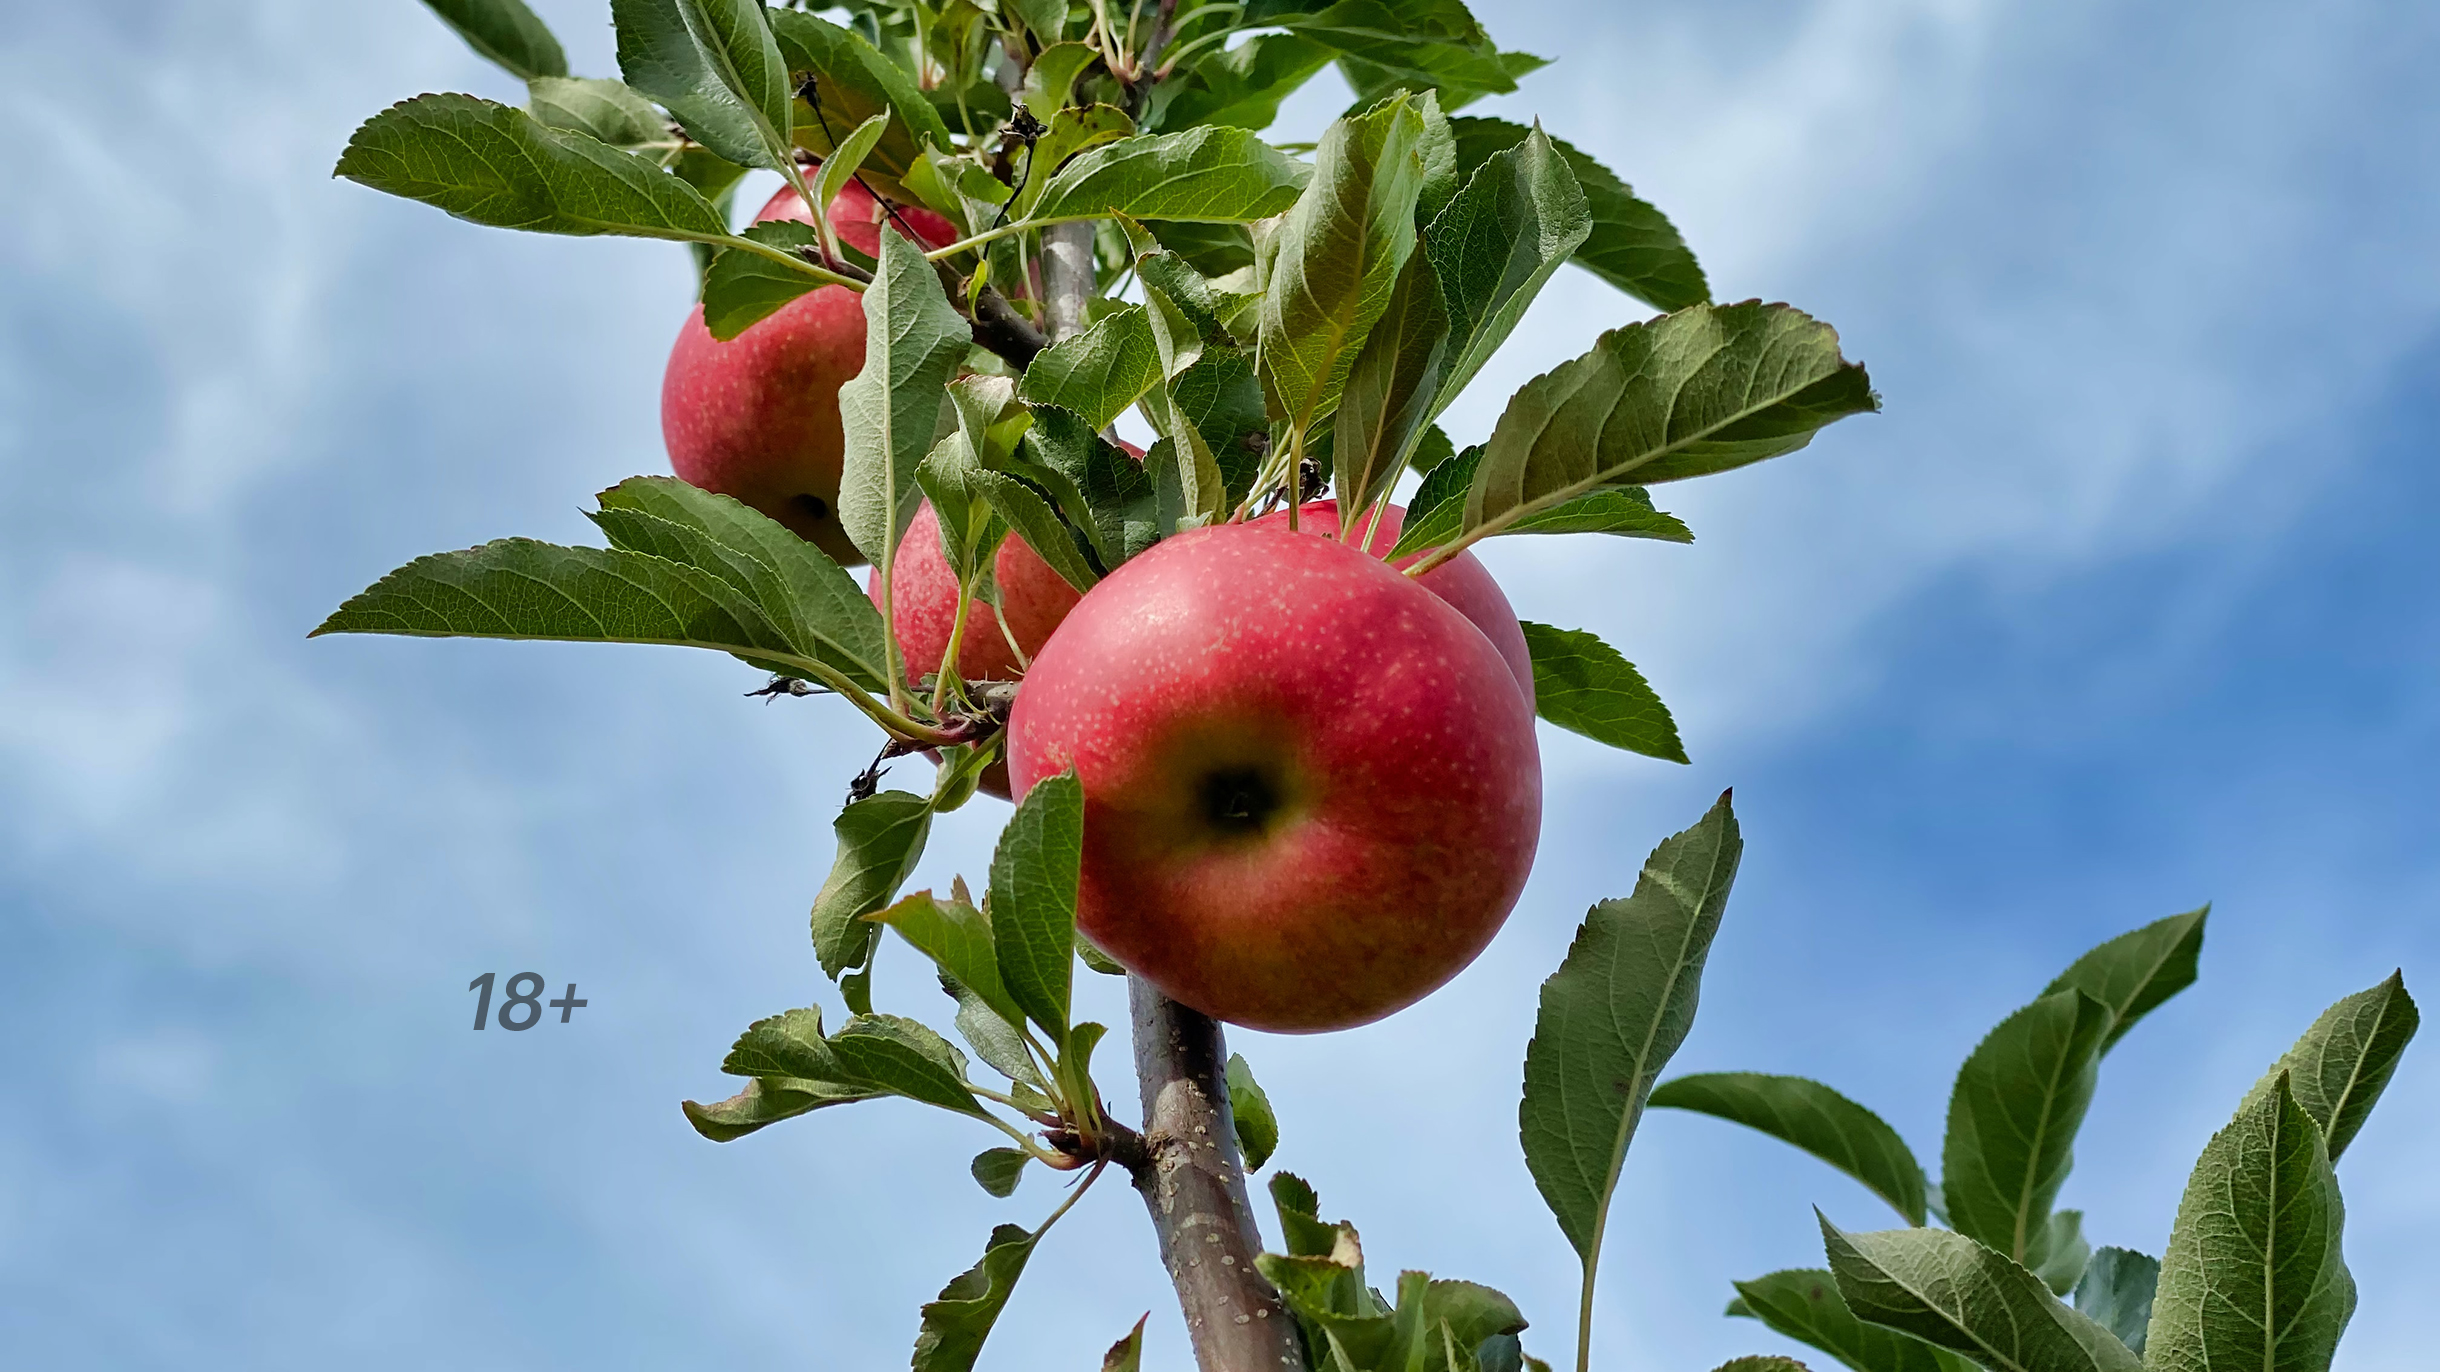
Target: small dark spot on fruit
pixel 813 506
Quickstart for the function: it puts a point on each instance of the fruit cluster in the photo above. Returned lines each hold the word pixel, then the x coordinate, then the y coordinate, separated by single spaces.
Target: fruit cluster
pixel 1311 783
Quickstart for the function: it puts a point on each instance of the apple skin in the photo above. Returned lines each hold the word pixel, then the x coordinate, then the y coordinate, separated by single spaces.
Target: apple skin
pixel 1312 790
pixel 757 417
pixel 1463 581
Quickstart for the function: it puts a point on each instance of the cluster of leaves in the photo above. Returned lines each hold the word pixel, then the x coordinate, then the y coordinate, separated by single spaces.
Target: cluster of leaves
pixel 2252 1277
pixel 1286 319
pixel 1290 321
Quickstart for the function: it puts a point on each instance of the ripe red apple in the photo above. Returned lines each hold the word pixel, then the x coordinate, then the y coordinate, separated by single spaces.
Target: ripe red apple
pixel 1312 792
pixel 1463 581
pixel 757 417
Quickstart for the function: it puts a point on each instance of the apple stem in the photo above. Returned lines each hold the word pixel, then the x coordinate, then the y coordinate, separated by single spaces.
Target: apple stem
pixel 1193 1183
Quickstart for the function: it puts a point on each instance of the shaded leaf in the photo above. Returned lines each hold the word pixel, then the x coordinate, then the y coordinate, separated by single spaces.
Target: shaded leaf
pixel 789 1044
pixel 1947 1289
pixel 1630 244
pixel 956 1323
pixel 1804 1304
pixel 1388 398
pixel 507 33
pixel 2338 1069
pixel 492 164
pixel 1582 685
pixel 2064 1251
pixel 767 1101
pixel 1611 1016
pixel 2253 1277
pixel 958 940
pixel 1213 174
pixel 890 411
pixel 743 289
pixel 1337 256
pixel 1033 899
pixel 1240 86
pixel 997 1170
pixel 2116 1293
pixel 1812 1117
pixel 993 1036
pixel 854 82
pixel 905 1058
pixel 1257 1127
pixel 1029 512
pixel 820 612
pixel 2013 1117
pixel 714 66
pixel 1051 76
pixel 2136 971
pixel 1500 238
pixel 1704 390
pixel 1127 1355
pixel 609 111
pixel 880 838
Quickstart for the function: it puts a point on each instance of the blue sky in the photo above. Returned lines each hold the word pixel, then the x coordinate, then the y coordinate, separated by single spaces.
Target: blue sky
pixel 2123 605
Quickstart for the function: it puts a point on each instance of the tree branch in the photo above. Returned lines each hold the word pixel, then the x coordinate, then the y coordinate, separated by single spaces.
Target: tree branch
pixel 1191 1180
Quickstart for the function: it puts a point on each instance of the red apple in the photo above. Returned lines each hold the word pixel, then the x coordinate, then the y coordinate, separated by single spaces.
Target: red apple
pixel 1312 792
pixel 1463 581
pixel 757 417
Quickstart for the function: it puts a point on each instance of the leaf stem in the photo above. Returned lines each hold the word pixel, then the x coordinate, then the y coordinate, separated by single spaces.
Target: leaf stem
pixel 787 259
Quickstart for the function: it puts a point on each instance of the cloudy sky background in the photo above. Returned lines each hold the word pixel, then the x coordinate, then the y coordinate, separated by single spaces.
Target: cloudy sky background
pixel 2124 605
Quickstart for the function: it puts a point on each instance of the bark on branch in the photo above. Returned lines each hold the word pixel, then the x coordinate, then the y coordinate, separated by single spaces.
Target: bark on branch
pixel 1194 1185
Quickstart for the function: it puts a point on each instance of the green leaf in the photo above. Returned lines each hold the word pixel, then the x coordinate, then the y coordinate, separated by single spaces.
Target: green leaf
pixel 903 1057
pixel 956 1323
pixel 844 160
pixel 2013 1117
pixel 1257 1127
pixel 1438 508
pixel 1029 512
pixel 880 838
pixel 518 588
pixel 789 1044
pixel 1213 174
pixel 1762 1362
pixel 958 940
pixel 1098 373
pixel 2116 1293
pixel 1517 218
pixel 913 341
pixel 1033 899
pixel 1631 245
pixel 1705 390
pixel 1812 1117
pixel 997 1170
pixel 1804 1304
pixel 2064 1251
pixel 491 164
pixel 743 289
pixel 1127 1355
pixel 2338 1069
pixel 1582 685
pixel 1439 512
pixel 1216 250
pixel 1387 400
pixel 1052 75
pixel 1102 490
pixel 2135 972
pixel 1096 959
pixel 1338 255
pixel 506 33
pixel 1458 74
pixel 2253 1277
pixel 1220 396
pixel 767 1101
pixel 993 1036
pixel 1947 1289
pixel 1611 1016
pixel 714 66
pixel 608 111
pixel 822 615
pixel 1240 86
pixel 1301 1229
pixel 1071 131
pixel 854 82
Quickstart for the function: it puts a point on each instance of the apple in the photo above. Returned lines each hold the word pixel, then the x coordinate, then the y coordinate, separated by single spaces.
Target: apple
pixel 1463 581
pixel 757 417
pixel 1312 791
